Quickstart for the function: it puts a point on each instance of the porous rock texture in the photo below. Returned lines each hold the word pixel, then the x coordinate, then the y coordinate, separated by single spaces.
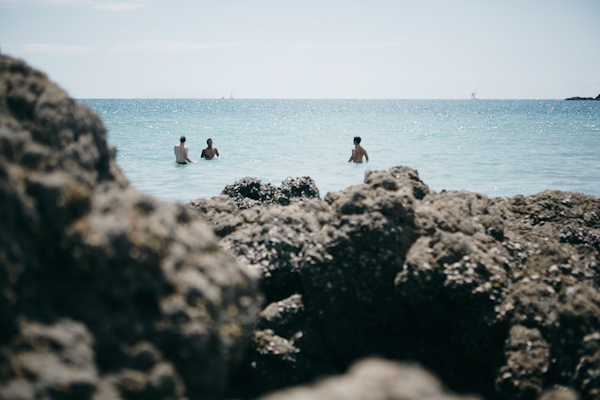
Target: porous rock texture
pixel 105 293
pixel 248 192
pixel 498 296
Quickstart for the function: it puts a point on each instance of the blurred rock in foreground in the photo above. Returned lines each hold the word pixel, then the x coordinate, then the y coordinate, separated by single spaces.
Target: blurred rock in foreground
pixel 373 379
pixel 104 292
pixel 498 296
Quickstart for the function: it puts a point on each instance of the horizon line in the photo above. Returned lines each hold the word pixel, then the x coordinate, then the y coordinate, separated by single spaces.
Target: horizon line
pixel 304 98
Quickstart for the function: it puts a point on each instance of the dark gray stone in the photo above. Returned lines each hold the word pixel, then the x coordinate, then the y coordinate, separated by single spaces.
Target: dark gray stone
pixel 250 192
pixel 584 98
pixel 497 296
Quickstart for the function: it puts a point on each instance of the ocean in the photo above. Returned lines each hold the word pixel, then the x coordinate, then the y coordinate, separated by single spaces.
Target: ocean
pixel 494 147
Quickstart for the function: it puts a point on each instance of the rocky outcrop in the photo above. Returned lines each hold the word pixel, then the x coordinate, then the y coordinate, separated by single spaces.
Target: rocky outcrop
pixel 497 296
pixel 249 192
pixel 584 98
pixel 104 292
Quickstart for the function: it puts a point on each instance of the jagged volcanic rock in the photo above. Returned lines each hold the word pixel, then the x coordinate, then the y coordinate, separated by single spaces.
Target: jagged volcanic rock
pixel 498 296
pixel 104 292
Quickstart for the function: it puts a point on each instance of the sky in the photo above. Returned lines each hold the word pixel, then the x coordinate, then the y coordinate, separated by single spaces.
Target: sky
pixel 288 49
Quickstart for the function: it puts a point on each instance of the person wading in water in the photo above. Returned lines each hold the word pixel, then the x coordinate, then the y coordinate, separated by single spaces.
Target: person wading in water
pixel 358 152
pixel 210 152
pixel 181 152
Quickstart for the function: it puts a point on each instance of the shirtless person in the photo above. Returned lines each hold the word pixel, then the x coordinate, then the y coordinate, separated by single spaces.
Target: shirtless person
pixel 209 152
pixel 181 152
pixel 358 151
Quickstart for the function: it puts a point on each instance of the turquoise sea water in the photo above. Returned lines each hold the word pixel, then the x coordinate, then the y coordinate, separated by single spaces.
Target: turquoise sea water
pixel 495 147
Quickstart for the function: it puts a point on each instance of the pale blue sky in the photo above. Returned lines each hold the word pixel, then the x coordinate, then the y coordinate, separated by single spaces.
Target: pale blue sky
pixel 538 49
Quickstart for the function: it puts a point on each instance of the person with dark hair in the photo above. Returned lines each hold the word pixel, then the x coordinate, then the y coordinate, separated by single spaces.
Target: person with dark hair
pixel 358 152
pixel 209 152
pixel 181 152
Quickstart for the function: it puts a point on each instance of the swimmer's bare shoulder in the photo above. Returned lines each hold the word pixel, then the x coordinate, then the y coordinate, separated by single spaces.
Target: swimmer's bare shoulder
pixel 358 151
pixel 364 152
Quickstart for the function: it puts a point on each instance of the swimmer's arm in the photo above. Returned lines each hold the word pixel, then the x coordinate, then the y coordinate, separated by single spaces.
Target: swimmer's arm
pixel 203 155
pixel 352 156
pixel 185 155
pixel 217 152
pixel 366 156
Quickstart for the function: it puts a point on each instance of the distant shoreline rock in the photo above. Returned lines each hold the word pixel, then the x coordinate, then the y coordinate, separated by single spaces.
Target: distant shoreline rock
pixel 584 98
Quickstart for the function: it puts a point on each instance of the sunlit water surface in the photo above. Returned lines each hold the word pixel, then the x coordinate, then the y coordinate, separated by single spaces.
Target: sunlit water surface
pixel 495 147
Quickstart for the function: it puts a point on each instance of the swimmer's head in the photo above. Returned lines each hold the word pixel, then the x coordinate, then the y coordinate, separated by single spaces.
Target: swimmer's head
pixel 182 139
pixel 209 142
pixel 357 139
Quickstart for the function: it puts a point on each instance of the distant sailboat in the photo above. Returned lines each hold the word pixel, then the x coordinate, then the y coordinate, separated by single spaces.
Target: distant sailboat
pixel 231 96
pixel 474 96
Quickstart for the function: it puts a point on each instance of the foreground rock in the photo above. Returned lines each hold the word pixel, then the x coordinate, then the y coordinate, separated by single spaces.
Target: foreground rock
pixel 373 379
pixel 497 296
pixel 104 292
